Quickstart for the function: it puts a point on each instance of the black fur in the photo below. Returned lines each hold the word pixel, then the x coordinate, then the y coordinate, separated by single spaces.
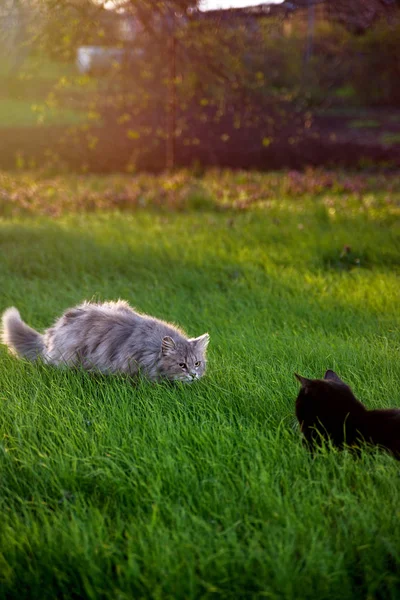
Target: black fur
pixel 328 410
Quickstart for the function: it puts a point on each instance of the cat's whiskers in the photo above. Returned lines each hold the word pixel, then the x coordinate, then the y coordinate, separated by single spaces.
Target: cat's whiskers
pixel 111 337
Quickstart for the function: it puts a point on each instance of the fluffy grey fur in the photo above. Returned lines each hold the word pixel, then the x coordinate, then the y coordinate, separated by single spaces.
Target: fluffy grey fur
pixel 111 338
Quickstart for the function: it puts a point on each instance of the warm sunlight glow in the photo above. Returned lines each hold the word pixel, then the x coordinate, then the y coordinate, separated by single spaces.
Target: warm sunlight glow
pixel 212 4
pixel 208 4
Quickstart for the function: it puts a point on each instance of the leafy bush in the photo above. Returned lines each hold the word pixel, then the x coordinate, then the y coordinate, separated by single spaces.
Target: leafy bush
pixel 376 61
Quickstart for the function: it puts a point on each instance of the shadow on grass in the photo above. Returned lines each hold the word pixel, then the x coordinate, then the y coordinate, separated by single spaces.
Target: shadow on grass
pixel 57 267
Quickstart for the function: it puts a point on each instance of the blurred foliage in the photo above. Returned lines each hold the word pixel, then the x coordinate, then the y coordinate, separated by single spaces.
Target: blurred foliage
pixel 376 61
pixel 43 193
pixel 182 77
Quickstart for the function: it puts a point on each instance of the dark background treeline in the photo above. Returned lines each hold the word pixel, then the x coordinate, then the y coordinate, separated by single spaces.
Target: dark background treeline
pixel 301 83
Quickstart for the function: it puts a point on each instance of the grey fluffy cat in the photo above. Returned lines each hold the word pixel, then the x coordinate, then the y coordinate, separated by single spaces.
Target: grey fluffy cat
pixel 112 338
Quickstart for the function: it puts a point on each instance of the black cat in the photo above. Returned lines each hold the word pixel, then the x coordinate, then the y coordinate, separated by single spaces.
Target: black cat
pixel 327 409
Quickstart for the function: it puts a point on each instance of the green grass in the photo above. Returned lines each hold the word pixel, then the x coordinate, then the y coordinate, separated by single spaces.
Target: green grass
pixel 23 113
pixel 38 67
pixel 39 93
pixel 346 92
pixel 119 491
pixel 390 138
pixel 364 124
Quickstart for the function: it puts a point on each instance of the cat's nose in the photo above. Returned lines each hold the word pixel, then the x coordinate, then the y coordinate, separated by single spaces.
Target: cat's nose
pixel 193 374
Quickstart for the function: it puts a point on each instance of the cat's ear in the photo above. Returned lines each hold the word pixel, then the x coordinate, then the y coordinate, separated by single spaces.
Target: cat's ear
pixel 331 376
pixel 168 345
pixel 201 342
pixel 305 383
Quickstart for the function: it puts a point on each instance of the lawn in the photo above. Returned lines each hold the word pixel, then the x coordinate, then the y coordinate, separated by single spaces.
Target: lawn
pixel 23 113
pixel 120 491
pixel 30 95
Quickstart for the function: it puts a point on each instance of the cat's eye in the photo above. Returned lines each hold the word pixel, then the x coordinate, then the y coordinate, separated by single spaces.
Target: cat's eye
pixel 183 365
pixel 197 364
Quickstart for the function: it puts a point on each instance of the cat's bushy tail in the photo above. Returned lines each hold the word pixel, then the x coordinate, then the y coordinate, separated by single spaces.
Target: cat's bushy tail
pixel 19 337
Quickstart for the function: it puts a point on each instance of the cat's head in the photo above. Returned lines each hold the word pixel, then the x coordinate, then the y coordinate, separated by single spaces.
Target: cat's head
pixel 323 391
pixel 327 408
pixel 330 383
pixel 328 396
pixel 183 360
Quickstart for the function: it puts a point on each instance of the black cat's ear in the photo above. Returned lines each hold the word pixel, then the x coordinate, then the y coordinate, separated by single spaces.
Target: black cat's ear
pixel 305 383
pixel 331 376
